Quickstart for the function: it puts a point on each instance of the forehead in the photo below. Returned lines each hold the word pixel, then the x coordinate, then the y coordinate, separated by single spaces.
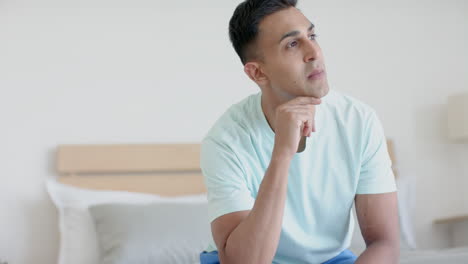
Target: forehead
pixel 274 26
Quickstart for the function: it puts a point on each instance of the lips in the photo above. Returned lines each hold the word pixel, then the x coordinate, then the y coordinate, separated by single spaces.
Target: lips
pixel 316 74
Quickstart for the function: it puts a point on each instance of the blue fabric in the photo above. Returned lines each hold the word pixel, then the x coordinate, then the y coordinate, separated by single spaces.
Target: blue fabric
pixel 209 257
pixel 346 156
pixel 345 257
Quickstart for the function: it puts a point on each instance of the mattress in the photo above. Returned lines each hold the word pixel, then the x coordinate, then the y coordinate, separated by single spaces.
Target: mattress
pixel 457 255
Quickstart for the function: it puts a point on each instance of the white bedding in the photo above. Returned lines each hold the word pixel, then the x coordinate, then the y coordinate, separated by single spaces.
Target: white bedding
pixel 409 254
pixel 66 198
pixel 79 243
pixel 450 256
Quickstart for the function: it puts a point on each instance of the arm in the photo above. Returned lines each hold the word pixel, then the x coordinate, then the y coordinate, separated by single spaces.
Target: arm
pixel 253 236
pixel 378 219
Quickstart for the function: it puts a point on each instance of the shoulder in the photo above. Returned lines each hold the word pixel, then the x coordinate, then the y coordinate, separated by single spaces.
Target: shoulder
pixel 349 112
pixel 223 143
pixel 234 123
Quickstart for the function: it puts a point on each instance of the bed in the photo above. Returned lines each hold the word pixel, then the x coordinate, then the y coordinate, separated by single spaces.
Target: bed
pixel 146 203
pixel 139 203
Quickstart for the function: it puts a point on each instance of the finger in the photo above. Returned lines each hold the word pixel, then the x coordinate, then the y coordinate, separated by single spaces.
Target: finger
pixel 310 124
pixel 305 111
pixel 305 130
pixel 301 129
pixel 311 128
pixel 307 125
pixel 306 107
pixel 306 100
pixel 309 133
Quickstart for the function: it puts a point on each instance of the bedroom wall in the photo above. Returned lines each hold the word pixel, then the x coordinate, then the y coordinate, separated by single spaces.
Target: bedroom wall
pixel 163 71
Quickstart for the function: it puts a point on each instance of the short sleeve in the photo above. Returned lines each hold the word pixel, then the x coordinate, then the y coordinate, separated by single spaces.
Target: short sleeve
pixel 224 180
pixel 376 175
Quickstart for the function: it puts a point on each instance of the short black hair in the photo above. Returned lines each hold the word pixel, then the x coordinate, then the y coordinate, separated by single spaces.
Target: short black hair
pixel 243 26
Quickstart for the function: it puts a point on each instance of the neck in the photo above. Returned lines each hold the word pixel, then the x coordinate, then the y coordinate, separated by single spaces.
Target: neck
pixel 269 102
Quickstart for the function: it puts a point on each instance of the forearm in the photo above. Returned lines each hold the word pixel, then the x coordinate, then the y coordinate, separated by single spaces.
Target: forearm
pixel 256 239
pixel 382 252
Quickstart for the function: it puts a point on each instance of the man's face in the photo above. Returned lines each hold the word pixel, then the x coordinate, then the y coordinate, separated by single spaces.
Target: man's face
pixel 290 54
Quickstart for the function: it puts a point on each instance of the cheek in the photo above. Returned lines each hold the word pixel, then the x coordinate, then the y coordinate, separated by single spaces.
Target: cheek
pixel 294 73
pixel 287 70
pixel 288 66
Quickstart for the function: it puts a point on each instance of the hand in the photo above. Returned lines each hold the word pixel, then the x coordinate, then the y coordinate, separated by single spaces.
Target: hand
pixel 293 120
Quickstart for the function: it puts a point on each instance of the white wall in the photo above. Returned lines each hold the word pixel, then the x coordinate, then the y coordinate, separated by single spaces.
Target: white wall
pixel 163 71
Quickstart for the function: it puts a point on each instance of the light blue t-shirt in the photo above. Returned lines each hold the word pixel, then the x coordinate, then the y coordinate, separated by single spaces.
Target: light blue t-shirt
pixel 346 156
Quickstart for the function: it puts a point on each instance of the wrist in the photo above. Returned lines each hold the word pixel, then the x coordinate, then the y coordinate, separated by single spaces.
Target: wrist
pixel 281 156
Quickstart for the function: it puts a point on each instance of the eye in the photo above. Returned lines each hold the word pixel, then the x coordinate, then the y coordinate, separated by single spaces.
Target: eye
pixel 292 44
pixel 313 36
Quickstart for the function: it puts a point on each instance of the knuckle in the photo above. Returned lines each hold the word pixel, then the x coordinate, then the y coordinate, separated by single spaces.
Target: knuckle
pixel 287 114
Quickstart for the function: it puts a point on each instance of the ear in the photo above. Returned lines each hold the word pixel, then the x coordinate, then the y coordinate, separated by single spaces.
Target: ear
pixel 255 73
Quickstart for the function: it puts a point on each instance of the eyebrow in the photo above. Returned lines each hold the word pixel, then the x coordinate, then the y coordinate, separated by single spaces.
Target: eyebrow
pixel 295 32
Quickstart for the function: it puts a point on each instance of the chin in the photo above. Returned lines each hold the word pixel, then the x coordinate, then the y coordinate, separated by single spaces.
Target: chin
pixel 324 91
pixel 319 92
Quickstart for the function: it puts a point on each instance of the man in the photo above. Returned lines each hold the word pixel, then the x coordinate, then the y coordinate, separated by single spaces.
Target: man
pixel 267 201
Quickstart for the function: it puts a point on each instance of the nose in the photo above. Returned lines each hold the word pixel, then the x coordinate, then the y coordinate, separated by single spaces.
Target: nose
pixel 311 51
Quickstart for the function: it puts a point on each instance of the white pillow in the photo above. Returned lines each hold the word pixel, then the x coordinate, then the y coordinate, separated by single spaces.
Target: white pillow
pixel 159 232
pixel 78 239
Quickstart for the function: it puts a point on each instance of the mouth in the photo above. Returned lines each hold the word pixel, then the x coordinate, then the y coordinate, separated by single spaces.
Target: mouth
pixel 316 74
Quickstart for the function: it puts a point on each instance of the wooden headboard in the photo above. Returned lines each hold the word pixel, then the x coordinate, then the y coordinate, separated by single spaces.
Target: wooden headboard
pixel 164 169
